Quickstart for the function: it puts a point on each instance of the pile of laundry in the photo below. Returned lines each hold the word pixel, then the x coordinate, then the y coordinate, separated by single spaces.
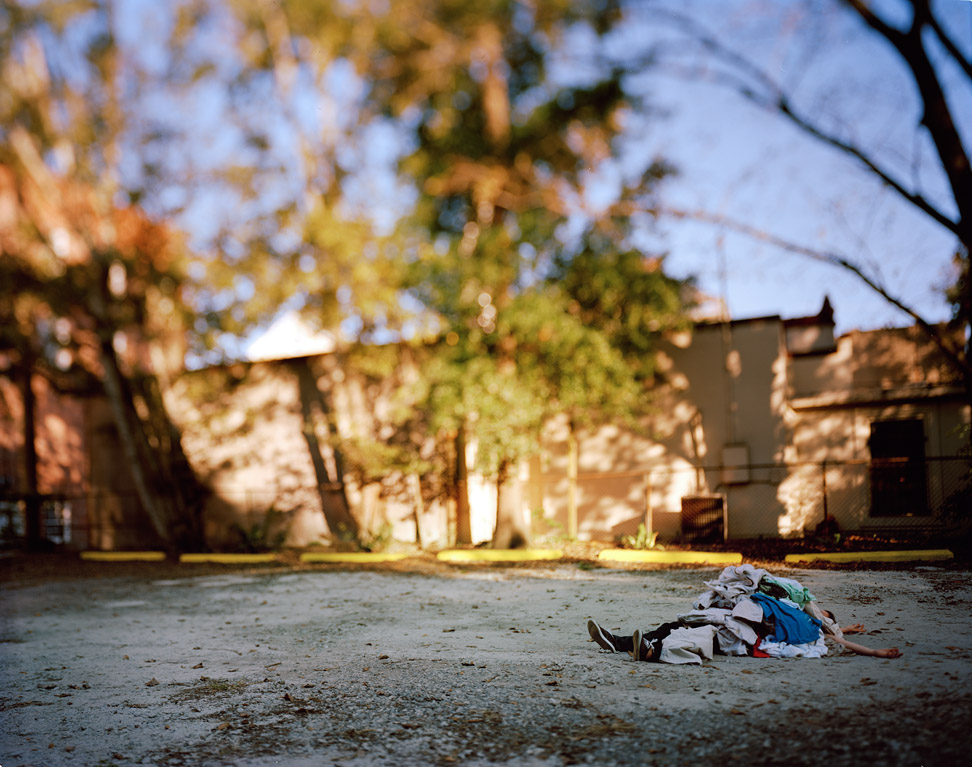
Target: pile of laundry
pixel 747 611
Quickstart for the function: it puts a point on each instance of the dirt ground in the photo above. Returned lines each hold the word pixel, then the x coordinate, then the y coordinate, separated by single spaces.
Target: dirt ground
pixel 444 665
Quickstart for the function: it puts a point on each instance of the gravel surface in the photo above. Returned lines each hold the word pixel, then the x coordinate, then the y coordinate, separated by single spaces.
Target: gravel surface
pixel 472 666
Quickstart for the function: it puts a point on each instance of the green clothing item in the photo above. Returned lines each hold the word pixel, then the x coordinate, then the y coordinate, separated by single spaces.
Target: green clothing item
pixel 792 589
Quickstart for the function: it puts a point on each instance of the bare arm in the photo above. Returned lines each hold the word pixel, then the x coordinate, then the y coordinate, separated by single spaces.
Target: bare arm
pixel 884 652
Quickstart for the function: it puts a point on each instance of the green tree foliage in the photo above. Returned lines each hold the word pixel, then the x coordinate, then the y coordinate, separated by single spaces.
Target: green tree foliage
pixel 397 170
pixel 503 154
pixel 627 296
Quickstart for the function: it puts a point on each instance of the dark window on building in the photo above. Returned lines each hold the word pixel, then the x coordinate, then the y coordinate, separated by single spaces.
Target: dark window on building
pixel 898 485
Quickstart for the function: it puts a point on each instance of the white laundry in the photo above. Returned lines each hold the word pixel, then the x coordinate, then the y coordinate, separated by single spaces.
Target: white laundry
pixel 688 645
pixel 733 583
pixel 732 630
pixel 747 610
pixel 783 650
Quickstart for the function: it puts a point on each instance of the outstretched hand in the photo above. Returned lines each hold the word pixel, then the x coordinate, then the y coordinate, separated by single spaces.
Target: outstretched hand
pixel 854 628
pixel 888 652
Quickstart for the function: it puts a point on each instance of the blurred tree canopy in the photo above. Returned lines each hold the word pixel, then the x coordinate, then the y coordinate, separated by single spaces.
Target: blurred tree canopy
pixel 90 285
pixel 495 147
pixel 502 154
pixel 426 171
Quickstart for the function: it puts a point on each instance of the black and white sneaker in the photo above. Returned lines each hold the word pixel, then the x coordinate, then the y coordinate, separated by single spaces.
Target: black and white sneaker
pixel 644 649
pixel 604 638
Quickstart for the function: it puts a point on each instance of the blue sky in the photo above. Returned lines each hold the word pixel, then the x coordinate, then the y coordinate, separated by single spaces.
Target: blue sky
pixel 734 159
pixel 742 162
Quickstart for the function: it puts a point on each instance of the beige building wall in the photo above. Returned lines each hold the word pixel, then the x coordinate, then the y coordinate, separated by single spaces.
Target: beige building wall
pixel 722 403
pixel 871 377
pixel 766 413
pixel 787 411
pixel 243 430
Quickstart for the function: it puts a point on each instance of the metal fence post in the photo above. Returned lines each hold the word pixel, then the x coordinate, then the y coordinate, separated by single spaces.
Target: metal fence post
pixel 823 473
pixel 649 522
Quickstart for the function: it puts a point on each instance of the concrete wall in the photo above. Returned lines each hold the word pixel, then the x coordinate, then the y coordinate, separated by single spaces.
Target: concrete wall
pixel 872 376
pixel 244 432
pixel 731 394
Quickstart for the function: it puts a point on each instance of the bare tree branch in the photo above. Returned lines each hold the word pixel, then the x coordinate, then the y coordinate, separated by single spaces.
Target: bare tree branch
pixel 937 116
pixel 754 84
pixel 775 98
pixel 949 44
pixel 953 352
pixel 894 36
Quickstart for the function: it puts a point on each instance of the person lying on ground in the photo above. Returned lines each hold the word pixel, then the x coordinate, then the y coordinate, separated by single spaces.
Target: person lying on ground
pixel 745 611
pixel 669 643
pixel 674 643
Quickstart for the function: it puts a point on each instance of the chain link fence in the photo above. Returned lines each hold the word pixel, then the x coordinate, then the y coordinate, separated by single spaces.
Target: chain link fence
pixel 906 499
pixel 57 521
pixel 901 497
pixel 77 520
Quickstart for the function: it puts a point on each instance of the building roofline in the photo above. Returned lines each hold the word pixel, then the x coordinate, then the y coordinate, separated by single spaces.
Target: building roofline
pixel 861 397
pixel 741 321
pixel 824 317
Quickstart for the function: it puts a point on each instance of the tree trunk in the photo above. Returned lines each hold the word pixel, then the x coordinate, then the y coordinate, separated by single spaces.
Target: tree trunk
pixel 509 532
pixel 175 472
pixel 463 524
pixel 572 451
pixel 137 453
pixel 32 517
pixel 332 491
pixel 415 486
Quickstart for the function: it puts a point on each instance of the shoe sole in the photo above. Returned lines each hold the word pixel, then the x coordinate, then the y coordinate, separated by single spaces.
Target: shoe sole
pixel 636 639
pixel 597 634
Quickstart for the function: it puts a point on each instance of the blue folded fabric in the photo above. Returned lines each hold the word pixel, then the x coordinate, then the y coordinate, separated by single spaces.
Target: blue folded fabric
pixel 792 626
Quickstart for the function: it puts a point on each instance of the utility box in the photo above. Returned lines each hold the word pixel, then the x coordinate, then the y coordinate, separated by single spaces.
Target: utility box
pixel 735 464
pixel 704 518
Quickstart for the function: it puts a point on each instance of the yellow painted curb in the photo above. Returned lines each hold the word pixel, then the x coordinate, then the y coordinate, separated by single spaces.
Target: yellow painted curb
pixel 927 555
pixel 123 556
pixel 351 557
pixel 498 555
pixel 227 559
pixel 671 557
